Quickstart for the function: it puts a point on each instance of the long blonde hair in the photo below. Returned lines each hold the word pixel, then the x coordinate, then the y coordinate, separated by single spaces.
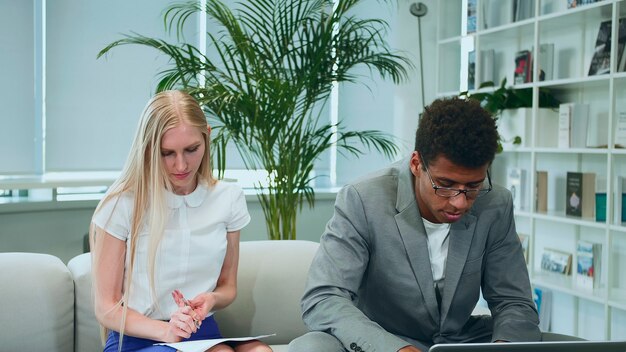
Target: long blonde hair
pixel 144 176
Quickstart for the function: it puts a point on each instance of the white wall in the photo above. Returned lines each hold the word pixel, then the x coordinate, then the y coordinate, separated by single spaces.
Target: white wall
pixel 59 228
pixel 382 105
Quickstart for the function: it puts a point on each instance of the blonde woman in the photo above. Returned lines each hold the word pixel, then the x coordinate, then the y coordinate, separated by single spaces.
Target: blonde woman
pixel 165 238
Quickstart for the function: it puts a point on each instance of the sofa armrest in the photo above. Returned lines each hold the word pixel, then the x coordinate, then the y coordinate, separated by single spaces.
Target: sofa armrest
pixel 87 329
pixel 37 296
pixel 271 280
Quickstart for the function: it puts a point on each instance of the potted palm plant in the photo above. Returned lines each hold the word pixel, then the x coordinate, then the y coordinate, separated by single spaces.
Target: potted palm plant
pixel 275 65
pixel 511 107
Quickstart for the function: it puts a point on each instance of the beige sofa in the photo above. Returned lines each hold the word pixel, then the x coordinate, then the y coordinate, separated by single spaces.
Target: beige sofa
pixel 47 306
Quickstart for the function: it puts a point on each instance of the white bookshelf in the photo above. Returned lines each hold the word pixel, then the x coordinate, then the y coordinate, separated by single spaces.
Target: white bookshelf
pixel 601 313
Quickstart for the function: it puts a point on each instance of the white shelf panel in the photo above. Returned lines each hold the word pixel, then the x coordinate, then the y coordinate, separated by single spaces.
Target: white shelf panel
pixel 563 283
pixel 543 150
pixel 559 216
pixel 620 228
pixel 589 13
pixel 617 299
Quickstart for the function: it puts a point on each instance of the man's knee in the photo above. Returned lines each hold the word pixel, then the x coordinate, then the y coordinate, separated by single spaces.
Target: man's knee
pixel 316 341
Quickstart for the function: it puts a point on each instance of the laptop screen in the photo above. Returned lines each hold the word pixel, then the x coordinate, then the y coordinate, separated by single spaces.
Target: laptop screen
pixel 550 346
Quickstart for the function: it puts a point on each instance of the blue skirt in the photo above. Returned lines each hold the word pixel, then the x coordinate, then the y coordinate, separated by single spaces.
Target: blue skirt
pixel 208 330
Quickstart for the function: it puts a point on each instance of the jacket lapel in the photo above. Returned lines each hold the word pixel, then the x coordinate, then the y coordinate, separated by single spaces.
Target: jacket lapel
pixel 413 236
pixel 460 240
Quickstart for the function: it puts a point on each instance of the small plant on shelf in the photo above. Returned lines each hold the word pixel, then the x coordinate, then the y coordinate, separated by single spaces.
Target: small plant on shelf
pixel 503 98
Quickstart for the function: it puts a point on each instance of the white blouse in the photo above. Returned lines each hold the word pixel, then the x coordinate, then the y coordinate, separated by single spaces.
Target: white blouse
pixel 193 248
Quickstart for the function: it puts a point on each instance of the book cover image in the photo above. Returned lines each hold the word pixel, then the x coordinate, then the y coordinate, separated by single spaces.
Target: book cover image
pixel 573 201
pixel 580 197
pixel 584 265
pixel 523 64
pixel 471 16
pixel 588 264
pixel 556 261
pixel 601 59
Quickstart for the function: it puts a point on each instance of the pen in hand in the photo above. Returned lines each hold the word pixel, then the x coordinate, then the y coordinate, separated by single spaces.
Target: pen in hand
pixel 179 296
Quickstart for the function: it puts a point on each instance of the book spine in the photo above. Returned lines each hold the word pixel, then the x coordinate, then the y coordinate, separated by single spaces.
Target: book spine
pixel 564 125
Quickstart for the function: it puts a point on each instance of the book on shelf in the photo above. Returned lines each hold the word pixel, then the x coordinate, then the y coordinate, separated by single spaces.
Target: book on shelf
pixel 601 198
pixel 523 67
pixel 496 13
pixel 546 61
pixel 598 130
pixel 516 181
pixel 487 65
pixel 523 9
pixel 471 15
pixel 543 302
pixel 620 200
pixel 589 264
pixel 621 46
pixel 575 3
pixel 580 194
pixel 555 261
pixel 542 191
pixel 573 124
pixel 620 130
pixel 471 70
pixel 524 241
pixel 601 59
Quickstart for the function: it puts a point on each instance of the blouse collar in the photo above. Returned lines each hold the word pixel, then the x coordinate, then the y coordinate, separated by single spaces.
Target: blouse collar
pixel 193 199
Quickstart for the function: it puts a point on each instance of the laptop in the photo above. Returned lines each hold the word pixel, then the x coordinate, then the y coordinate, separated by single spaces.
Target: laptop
pixel 548 346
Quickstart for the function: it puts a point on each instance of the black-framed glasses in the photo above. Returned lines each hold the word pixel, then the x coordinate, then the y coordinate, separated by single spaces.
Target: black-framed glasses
pixel 447 192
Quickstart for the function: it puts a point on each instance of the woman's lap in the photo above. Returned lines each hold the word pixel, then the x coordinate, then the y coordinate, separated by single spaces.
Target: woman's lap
pixel 208 330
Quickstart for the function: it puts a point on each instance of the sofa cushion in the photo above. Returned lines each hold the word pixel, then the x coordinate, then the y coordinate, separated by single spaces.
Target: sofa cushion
pixel 37 297
pixel 270 284
pixel 87 329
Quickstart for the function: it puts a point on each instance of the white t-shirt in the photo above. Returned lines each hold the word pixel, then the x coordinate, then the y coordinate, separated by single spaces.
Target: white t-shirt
pixel 437 247
pixel 192 251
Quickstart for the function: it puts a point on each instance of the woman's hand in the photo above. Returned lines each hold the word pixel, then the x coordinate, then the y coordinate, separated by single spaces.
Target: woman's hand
pixel 203 304
pixel 184 321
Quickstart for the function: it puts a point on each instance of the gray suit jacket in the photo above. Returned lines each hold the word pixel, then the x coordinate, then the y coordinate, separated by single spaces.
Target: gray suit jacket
pixel 371 286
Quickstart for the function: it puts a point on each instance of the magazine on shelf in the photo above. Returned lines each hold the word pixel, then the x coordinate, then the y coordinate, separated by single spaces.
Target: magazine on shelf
pixel 555 261
pixel 588 267
pixel 543 302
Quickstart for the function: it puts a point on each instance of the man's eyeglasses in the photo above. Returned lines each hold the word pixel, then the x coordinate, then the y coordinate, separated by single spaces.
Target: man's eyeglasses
pixel 453 192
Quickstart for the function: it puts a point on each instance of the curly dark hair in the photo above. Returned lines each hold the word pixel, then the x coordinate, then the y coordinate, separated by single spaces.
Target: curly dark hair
pixel 459 129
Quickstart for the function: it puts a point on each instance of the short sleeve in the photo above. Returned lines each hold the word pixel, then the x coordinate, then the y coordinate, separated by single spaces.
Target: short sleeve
pixel 239 211
pixel 114 217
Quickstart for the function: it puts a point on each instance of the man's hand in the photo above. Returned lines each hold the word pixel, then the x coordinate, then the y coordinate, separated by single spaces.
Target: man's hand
pixel 409 349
